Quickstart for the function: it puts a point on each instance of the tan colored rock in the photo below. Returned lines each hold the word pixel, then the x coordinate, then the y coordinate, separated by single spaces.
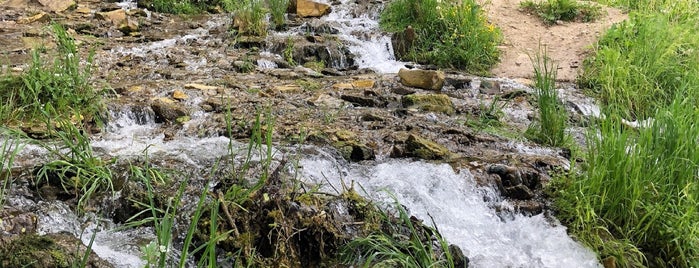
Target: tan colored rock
pixel 288 89
pixel 57 5
pixel 128 26
pixel 200 87
pixel 83 10
pixel 343 86
pixel 363 84
pixel 425 79
pixel 307 8
pixel 179 95
pixel 41 17
pixel 16 3
pixel 117 17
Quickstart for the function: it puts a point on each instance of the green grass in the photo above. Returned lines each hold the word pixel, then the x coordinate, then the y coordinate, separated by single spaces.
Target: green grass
pixel 450 34
pixel 550 127
pixel 77 170
pixel 635 198
pixel 421 247
pixel 58 89
pixel 551 11
pixel 9 148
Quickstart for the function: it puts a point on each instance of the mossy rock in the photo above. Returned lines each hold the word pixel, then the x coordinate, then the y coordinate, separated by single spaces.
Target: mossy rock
pixel 53 250
pixel 426 149
pixel 438 103
pixel 355 152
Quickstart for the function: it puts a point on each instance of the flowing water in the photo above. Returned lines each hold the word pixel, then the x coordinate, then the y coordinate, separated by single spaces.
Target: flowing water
pixel 462 211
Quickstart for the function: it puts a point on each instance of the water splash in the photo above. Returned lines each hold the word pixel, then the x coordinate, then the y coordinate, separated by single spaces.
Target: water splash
pixel 458 208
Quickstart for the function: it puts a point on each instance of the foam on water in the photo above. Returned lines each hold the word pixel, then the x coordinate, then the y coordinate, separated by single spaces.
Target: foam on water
pixel 361 33
pixel 460 212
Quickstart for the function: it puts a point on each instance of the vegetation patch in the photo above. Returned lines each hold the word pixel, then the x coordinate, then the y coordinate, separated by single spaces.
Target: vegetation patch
pixel 635 200
pixel 550 127
pixel 551 11
pixel 59 89
pixel 448 33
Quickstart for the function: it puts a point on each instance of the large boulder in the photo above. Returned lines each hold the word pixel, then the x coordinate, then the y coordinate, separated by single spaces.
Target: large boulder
pixel 307 8
pixel 425 79
pixel 439 103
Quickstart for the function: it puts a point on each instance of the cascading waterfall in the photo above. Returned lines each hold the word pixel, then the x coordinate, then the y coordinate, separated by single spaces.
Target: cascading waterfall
pixel 458 208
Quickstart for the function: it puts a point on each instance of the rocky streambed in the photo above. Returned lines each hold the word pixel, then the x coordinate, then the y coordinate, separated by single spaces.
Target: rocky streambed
pixel 188 91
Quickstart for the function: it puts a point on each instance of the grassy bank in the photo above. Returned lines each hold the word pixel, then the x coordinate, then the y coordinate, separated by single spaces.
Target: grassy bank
pixel 450 34
pixel 635 200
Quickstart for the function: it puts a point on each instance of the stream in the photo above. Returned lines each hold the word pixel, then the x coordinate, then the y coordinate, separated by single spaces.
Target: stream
pixel 463 211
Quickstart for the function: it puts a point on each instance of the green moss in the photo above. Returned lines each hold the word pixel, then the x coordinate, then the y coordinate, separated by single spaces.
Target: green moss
pixel 438 103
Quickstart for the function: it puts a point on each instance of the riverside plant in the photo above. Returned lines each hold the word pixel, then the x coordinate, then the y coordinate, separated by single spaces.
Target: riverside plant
pixel 450 33
pixel 550 128
pixel 551 11
pixel 10 146
pixel 77 169
pixel 635 198
pixel 425 246
pixel 62 84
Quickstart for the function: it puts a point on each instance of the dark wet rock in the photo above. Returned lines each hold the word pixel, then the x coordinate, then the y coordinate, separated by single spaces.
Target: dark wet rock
pixel 355 152
pixel 520 192
pixel 401 90
pixel 403 42
pixel 317 27
pixel 514 94
pixel 510 176
pixel 439 103
pixel 372 117
pixel 422 148
pixel 458 81
pixel 167 110
pixel 490 87
pixel 366 101
pixel 332 72
pixel 424 79
pixel 48 251
pixel 460 260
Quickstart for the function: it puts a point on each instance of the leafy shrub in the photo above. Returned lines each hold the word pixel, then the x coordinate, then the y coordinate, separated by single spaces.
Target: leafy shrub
pixel 450 33
pixel 565 10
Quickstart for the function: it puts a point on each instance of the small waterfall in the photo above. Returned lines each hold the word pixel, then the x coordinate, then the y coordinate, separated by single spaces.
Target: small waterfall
pixel 458 208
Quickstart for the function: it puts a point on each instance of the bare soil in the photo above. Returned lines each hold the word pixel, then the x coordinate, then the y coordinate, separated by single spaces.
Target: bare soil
pixel 567 43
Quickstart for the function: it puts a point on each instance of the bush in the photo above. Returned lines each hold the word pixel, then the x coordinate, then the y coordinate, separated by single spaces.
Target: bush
pixel 565 10
pixel 450 33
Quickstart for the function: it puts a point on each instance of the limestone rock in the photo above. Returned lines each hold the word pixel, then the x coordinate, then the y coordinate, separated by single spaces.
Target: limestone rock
pixel 200 87
pixel 363 84
pixel 128 26
pixel 57 5
pixel 425 79
pixel 116 17
pixel 41 17
pixel 307 8
pixel 439 103
pixel 425 149
pixel 167 110
pixel 179 95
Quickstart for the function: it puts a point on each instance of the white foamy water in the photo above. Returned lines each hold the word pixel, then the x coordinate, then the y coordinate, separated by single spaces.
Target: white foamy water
pixel 460 212
pixel 120 248
pixel 361 33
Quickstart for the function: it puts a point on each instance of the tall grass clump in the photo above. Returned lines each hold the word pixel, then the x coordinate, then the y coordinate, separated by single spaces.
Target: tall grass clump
pixel 551 11
pixel 551 125
pixel 636 197
pixel 640 64
pixel 9 148
pixel 61 85
pixel 277 10
pixel 449 33
pixel 77 170
pixel 250 17
pixel 421 247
